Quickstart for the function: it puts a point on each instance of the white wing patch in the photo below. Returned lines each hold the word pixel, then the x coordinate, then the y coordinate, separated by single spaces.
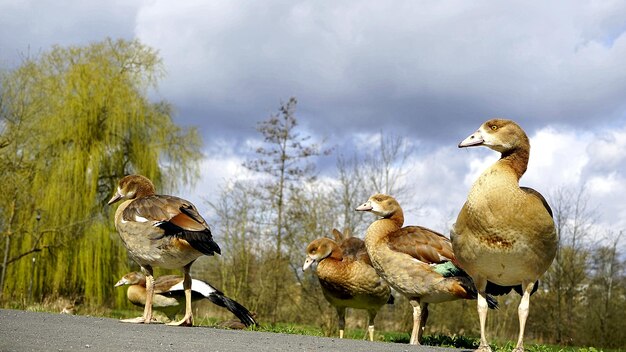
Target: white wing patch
pixel 179 286
pixel 202 287
pixel 199 286
pixel 140 219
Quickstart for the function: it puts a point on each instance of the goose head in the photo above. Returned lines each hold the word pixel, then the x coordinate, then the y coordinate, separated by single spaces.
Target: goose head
pixel 133 278
pixel 131 187
pixel 498 134
pixel 382 205
pixel 320 249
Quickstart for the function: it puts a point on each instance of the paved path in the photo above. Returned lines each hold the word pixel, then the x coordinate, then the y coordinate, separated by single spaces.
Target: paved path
pixel 33 331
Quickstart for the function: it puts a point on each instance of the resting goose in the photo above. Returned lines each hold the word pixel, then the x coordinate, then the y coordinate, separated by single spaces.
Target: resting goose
pixel 348 280
pixel 163 231
pixel 504 233
pixel 169 295
pixel 415 261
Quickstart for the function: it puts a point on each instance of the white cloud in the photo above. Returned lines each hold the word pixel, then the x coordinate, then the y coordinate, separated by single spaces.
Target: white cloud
pixel 221 164
pixel 557 158
pixel 606 185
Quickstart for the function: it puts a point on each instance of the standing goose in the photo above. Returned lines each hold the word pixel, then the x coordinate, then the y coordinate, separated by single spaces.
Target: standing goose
pixel 504 233
pixel 415 261
pixel 169 295
pixel 163 231
pixel 347 277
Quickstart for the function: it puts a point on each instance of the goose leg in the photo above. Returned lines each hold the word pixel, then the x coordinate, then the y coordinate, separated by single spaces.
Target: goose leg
pixel 370 324
pixel 147 310
pixel 423 319
pixel 481 287
pixel 341 313
pixel 188 318
pixel 522 312
pixel 416 333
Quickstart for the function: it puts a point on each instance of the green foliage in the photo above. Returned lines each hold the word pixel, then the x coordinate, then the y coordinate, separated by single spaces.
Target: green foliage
pixel 74 121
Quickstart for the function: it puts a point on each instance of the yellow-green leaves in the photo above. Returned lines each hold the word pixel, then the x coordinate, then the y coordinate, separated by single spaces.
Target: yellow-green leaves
pixel 75 120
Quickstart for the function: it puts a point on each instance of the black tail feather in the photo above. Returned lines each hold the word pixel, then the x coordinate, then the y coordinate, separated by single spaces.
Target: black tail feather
pixel 237 309
pixel 492 303
pixel 202 241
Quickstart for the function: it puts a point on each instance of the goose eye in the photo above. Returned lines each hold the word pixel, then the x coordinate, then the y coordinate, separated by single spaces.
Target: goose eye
pixel 494 127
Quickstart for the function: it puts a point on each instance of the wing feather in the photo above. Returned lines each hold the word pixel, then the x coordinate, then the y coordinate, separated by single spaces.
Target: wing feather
pixel 422 244
pixel 177 217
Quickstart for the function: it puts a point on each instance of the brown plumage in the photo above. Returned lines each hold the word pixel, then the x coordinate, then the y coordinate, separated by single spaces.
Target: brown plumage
pixel 169 295
pixel 415 261
pixel 160 230
pixel 504 233
pixel 347 278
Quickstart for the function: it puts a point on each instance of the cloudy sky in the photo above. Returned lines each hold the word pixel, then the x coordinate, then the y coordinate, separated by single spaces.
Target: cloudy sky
pixel 431 71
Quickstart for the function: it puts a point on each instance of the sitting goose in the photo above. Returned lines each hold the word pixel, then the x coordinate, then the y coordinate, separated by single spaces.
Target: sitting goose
pixel 415 261
pixel 169 295
pixel 504 233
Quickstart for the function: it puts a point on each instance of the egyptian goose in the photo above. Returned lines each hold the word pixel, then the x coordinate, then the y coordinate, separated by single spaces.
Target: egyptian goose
pixel 504 233
pixel 347 277
pixel 415 261
pixel 169 295
pixel 163 231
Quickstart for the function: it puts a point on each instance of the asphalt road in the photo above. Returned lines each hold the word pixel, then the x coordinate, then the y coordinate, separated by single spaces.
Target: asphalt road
pixel 34 331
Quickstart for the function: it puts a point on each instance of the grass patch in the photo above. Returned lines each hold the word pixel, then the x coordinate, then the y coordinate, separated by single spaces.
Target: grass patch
pixel 293 329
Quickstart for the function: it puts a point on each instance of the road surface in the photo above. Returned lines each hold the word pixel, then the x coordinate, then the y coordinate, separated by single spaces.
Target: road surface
pixel 35 331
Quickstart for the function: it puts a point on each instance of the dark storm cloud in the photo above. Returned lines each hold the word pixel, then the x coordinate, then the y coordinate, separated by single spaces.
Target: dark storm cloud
pixel 32 27
pixel 430 70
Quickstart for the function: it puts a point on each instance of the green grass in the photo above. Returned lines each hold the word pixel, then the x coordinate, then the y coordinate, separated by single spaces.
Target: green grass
pixel 293 329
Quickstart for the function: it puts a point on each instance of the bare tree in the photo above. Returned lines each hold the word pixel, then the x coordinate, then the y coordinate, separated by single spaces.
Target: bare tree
pixel 568 275
pixel 607 268
pixel 385 168
pixel 351 192
pixel 284 158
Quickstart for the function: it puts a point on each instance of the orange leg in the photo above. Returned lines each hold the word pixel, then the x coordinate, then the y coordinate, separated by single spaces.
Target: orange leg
pixel 481 287
pixel 371 315
pixel 341 314
pixel 420 315
pixel 522 312
pixel 188 319
pixel 147 310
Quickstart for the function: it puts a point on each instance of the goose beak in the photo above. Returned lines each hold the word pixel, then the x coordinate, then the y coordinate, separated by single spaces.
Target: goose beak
pixel 121 282
pixel 117 196
pixel 474 139
pixel 367 206
pixel 307 263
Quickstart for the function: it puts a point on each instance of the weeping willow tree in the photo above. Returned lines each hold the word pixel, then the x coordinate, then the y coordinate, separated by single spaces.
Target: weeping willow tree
pixel 73 121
